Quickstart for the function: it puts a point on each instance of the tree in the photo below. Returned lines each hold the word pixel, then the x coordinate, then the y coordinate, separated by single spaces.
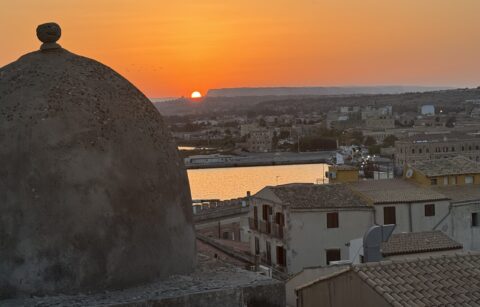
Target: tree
pixel 369 141
pixel 450 122
pixel 389 141
pixel 357 137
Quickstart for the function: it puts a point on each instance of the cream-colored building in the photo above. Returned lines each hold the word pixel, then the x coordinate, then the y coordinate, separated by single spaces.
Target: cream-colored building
pixel 260 140
pixel 424 147
pixel 299 225
pixel 410 207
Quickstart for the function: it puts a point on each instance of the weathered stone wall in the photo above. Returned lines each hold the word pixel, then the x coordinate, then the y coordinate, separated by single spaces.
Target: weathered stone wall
pixel 93 193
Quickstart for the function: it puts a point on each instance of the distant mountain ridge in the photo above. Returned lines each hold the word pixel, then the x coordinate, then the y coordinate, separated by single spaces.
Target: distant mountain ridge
pixel 320 91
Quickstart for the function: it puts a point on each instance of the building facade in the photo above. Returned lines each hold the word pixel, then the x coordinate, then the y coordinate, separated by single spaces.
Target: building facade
pixel 432 147
pixel 260 140
pixel 299 225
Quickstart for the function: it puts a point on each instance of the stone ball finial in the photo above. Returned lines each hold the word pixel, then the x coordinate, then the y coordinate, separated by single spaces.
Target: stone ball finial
pixel 49 33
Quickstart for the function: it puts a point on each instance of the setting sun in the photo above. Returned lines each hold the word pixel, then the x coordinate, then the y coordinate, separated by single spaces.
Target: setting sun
pixel 196 94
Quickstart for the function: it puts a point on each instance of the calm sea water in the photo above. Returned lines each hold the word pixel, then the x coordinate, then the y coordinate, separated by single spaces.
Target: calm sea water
pixel 233 182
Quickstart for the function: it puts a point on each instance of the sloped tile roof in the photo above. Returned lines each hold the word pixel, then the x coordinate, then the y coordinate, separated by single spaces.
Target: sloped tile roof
pixel 434 281
pixel 459 193
pixel 389 191
pixel 306 195
pixel 450 166
pixel 418 242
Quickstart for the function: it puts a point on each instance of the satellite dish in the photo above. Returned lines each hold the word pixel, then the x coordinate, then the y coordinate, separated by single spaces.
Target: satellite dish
pixel 409 173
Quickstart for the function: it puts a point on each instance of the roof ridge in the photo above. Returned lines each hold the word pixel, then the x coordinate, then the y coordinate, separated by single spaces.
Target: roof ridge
pixel 415 259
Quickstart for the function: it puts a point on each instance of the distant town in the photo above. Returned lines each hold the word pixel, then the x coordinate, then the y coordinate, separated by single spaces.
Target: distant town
pixel 393 128
pixel 402 192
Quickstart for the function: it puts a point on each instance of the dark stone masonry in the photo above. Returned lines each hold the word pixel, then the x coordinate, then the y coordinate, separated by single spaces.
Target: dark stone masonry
pixel 93 193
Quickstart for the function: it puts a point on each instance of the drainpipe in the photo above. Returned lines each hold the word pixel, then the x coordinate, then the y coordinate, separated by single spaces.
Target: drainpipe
pixel 443 218
pixel 410 216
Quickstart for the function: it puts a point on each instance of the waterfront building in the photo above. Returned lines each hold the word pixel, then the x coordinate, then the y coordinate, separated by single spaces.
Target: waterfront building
pixel 423 147
pixel 299 225
pixel 260 140
pixel 211 160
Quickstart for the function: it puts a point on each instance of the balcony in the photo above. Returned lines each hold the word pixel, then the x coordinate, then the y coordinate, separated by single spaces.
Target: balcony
pixel 265 227
pixel 278 230
pixel 253 223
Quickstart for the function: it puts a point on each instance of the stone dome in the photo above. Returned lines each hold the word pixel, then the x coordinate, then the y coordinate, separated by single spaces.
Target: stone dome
pixel 93 192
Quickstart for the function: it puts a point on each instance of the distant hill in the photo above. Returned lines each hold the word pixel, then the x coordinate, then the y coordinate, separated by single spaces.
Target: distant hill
pixel 319 91
pixel 450 100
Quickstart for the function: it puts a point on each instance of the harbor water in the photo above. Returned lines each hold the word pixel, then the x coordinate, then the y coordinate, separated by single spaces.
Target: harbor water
pixel 233 182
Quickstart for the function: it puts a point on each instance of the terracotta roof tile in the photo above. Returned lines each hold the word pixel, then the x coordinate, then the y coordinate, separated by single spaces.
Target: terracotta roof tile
pixel 304 195
pixel 395 191
pixel 434 281
pixel 418 242
pixel 450 166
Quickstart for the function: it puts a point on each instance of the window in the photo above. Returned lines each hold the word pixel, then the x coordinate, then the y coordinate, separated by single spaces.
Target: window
pixel 332 220
pixel 453 180
pixel 257 246
pixel 332 255
pixel 468 179
pixel 280 219
pixel 269 253
pixel 430 210
pixel 266 212
pixel 389 215
pixel 475 219
pixel 226 235
pixel 427 150
pixel 433 181
pixel 281 256
pixel 445 180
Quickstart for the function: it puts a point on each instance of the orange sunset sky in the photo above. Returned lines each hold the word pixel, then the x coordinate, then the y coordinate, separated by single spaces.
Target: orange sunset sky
pixel 171 48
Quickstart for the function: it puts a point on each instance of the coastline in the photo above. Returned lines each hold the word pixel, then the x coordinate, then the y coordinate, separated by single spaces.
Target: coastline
pixel 261 159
